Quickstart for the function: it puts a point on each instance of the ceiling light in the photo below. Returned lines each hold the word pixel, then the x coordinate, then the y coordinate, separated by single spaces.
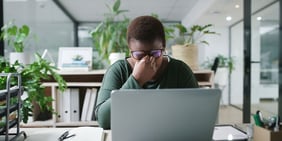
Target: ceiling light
pixel 228 18
pixel 237 6
pixel 259 18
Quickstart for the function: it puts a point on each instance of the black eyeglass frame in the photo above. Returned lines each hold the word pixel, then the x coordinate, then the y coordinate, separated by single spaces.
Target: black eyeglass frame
pixel 146 53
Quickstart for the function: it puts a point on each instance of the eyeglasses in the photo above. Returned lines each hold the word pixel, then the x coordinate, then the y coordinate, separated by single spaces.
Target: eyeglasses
pixel 138 55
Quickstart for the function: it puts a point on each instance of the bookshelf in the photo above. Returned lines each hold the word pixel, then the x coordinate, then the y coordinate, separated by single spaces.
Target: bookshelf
pixel 81 80
pixel 93 79
pixel 205 78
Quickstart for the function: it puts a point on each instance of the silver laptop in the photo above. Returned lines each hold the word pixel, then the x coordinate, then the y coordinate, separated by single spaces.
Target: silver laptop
pixel 164 114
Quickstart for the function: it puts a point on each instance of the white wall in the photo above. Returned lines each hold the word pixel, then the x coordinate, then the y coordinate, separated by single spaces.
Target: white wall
pixel 236 94
pixel 218 44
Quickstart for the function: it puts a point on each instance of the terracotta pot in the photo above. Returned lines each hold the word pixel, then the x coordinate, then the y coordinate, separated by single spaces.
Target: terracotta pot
pixel 187 54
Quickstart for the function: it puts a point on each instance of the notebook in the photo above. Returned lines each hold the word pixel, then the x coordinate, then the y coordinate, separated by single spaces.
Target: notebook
pixel 164 114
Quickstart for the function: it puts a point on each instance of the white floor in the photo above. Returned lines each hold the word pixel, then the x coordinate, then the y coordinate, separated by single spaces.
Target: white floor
pixel 229 115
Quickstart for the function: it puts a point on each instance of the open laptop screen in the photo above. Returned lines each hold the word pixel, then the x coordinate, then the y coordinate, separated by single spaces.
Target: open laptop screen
pixel 164 114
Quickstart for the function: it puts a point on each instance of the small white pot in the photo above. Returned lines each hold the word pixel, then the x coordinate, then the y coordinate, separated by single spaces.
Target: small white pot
pixel 116 56
pixel 221 76
pixel 22 57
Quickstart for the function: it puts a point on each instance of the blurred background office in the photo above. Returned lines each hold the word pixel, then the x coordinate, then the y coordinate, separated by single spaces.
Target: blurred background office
pixel 66 23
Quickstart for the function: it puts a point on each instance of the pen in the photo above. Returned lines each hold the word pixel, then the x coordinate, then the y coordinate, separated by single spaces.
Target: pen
pixel 65 135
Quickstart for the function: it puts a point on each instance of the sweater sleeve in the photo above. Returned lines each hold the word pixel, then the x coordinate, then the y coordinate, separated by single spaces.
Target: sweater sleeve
pixel 115 78
pixel 185 76
pixel 189 81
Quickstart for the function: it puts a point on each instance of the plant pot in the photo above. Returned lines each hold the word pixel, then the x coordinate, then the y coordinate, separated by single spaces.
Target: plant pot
pixel 187 54
pixel 221 76
pixel 115 57
pixel 21 57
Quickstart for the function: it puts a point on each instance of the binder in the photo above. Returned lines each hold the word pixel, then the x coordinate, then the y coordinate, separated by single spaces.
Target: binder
pixel 90 110
pixel 74 104
pixel 59 105
pixel 66 106
pixel 85 104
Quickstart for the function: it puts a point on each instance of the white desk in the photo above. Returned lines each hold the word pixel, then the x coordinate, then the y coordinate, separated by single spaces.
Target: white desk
pixel 52 134
pixel 48 134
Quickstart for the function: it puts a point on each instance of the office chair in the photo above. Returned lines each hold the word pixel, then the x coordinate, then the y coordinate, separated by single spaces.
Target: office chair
pixel 214 69
pixel 215 64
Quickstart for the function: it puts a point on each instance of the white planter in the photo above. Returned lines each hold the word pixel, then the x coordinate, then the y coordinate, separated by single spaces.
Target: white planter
pixel 21 57
pixel 221 76
pixel 116 56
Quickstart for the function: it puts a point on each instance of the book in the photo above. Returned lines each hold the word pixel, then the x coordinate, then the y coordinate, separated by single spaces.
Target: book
pixel 90 110
pixel 86 134
pixel 85 104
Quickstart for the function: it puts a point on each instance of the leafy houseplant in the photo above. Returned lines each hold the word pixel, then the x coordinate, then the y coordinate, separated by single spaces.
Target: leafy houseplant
pixel 110 35
pixel 15 35
pixel 194 35
pixel 222 62
pixel 222 67
pixel 186 43
pixel 32 76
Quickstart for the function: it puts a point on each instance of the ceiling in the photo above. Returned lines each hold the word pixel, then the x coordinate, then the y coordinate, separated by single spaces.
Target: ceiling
pixel 187 11
pixel 93 10
pixel 211 11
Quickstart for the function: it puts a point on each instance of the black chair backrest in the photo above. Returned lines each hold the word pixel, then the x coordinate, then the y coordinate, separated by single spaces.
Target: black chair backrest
pixel 215 64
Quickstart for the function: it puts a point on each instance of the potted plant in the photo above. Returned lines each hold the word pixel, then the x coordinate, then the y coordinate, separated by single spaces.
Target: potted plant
pixel 16 37
pixel 109 37
pixel 32 76
pixel 223 67
pixel 186 44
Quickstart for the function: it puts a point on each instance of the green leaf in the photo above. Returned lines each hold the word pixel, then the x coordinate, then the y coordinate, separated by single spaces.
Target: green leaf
pixel 24 30
pixel 116 6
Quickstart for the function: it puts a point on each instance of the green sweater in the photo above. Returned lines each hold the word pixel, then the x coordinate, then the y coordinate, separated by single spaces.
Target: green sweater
pixel 118 76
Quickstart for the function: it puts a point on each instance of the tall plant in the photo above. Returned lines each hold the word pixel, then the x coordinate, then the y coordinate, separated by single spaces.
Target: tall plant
pixel 110 35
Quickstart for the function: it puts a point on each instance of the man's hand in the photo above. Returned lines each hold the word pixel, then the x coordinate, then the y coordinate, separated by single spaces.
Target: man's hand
pixel 144 70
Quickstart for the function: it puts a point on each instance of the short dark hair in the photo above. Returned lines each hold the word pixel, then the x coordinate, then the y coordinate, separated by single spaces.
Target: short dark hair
pixel 146 29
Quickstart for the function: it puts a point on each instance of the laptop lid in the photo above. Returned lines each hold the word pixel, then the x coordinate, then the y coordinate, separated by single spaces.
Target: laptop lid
pixel 164 114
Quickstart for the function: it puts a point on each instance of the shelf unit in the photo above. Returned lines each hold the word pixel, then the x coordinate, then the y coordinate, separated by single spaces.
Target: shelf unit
pixel 81 80
pixel 11 111
pixel 54 87
pixel 205 78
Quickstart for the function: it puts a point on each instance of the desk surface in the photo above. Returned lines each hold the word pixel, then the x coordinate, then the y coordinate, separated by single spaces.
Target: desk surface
pixel 52 134
pixel 48 134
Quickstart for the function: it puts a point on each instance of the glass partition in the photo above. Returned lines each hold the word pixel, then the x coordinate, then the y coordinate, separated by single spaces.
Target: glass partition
pixel 237 48
pixel 50 27
pixel 265 59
